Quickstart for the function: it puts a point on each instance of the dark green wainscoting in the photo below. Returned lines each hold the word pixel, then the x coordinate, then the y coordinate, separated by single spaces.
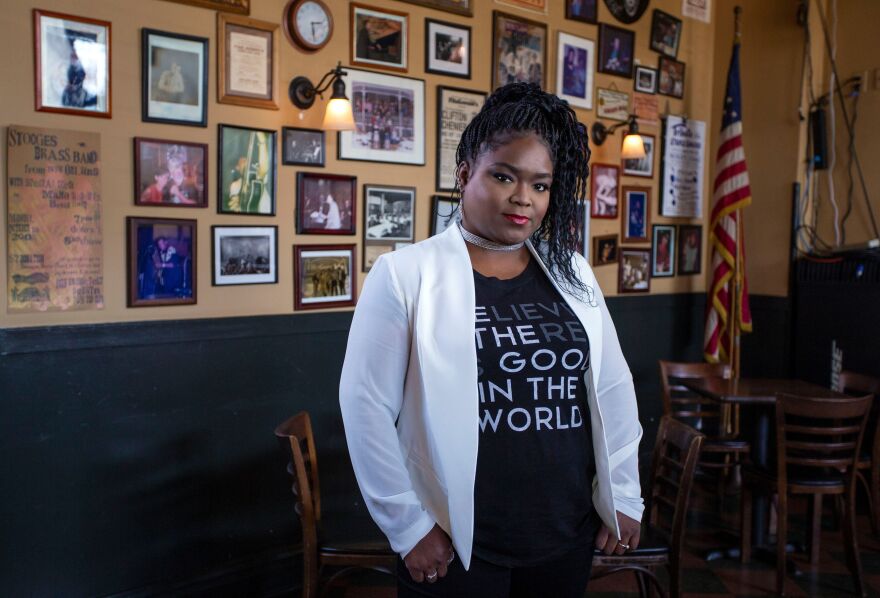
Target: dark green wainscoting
pixel 139 459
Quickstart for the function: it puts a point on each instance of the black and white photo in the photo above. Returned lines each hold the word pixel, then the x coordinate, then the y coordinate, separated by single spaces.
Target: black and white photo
pixel 442 213
pixel 455 109
pixel 389 213
pixel 302 147
pixel 643 167
pixel 244 255
pixel 325 203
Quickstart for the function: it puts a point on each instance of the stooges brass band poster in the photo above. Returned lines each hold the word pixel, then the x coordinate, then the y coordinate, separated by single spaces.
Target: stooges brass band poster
pixel 54 240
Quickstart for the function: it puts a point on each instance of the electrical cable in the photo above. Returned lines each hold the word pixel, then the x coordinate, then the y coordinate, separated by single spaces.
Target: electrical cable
pixel 832 141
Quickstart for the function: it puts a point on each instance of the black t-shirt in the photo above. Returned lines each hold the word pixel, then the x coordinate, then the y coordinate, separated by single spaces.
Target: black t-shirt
pixel 532 497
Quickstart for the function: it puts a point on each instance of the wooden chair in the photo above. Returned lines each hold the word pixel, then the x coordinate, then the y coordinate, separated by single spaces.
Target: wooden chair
pixel 676 453
pixel 722 451
pixel 295 437
pixel 868 469
pixel 817 447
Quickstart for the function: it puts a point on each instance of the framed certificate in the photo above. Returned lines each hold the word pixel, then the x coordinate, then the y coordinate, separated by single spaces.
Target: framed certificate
pixel 247 62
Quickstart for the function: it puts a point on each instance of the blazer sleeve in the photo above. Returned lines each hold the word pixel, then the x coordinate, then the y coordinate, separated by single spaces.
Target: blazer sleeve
pixel 623 432
pixel 370 397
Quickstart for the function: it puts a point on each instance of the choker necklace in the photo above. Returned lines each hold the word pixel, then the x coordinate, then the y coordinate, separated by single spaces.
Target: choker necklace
pixel 486 243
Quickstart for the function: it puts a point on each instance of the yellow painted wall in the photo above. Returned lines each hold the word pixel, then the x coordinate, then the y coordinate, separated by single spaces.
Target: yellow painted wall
pixel 129 16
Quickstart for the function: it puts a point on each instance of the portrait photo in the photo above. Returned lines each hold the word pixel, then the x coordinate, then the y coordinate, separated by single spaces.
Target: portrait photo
pixel 302 147
pixel 161 261
pixel 170 173
pixel 643 167
pixel 389 115
pixel 603 196
pixel 442 213
pixel 244 255
pixel 690 249
pixel 519 50
pixel 616 50
pixel 575 57
pixel 634 274
pixel 379 38
pixel 323 276
pixel 671 81
pixel 447 49
pixel 627 11
pixel 665 33
pixel 636 214
pixel 389 213
pixel 174 78
pixel 72 64
pixel 646 79
pixel 246 172
pixel 585 11
pixel 325 203
pixel 662 250
pixel 604 250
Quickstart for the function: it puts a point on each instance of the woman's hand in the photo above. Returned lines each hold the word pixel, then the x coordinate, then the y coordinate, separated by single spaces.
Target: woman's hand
pixel 629 536
pixel 428 560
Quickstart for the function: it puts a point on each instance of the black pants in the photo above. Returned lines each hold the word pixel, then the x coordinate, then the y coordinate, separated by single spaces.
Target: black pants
pixel 565 577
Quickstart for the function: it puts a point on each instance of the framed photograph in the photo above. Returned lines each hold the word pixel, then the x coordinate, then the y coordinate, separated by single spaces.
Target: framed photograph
pixel 325 203
pixel 447 49
pixel 442 213
pixel 604 250
pixel 519 50
pixel 72 61
pixel 671 82
pixel 389 213
pixel 247 171
pixel 242 7
pixel 690 249
pixel 665 33
pixel 662 250
pixel 612 104
pixel 302 147
pixel 247 62
pixel 379 38
pixel 643 167
pixel 536 6
pixel 616 50
pixel 585 11
pixel 646 79
pixel 575 57
pixel 585 229
pixel 459 7
pixel 372 251
pixel 323 276
pixel 606 179
pixel 455 109
pixel 244 255
pixel 161 261
pixel 627 11
pixel 174 78
pixel 170 173
pixel 389 112
pixel 636 214
pixel 634 274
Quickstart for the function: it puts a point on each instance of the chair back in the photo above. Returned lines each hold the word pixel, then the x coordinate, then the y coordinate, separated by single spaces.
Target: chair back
pixel 855 384
pixel 676 453
pixel 296 440
pixel 819 436
pixel 701 413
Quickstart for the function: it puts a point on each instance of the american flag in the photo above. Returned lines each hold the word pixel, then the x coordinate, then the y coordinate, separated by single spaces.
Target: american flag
pixel 732 192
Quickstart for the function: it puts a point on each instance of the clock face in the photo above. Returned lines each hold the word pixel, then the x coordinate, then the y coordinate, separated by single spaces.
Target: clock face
pixel 312 23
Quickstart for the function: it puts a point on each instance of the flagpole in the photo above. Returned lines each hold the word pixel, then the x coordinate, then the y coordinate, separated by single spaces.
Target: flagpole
pixel 734 313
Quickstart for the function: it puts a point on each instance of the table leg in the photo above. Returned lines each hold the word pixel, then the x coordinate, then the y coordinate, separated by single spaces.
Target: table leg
pixel 760 448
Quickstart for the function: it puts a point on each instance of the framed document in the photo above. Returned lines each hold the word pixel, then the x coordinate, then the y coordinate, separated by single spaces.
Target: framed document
pixel 247 62
pixel 174 78
pixel 455 109
pixel 683 155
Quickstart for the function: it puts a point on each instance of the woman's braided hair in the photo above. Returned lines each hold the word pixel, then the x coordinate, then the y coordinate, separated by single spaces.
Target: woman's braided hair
pixel 518 109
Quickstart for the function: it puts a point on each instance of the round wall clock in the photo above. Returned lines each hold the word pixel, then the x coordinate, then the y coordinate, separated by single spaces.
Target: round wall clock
pixel 627 11
pixel 308 24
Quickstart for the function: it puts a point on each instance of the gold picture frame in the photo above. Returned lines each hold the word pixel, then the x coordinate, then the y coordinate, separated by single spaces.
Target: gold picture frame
pixel 243 78
pixel 241 7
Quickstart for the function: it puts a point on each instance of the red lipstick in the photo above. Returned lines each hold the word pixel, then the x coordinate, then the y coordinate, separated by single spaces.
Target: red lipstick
pixel 516 219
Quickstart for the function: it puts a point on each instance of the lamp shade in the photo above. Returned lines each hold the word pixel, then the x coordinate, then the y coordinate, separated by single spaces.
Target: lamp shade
pixel 338 116
pixel 633 147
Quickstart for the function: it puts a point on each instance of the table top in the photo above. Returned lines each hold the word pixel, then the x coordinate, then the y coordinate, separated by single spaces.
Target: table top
pixel 756 391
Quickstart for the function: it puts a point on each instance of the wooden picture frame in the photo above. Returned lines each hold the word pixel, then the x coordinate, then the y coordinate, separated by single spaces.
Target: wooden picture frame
pixel 72 65
pixel 503 56
pixel 177 95
pixel 670 81
pixel 689 256
pixel 455 108
pixel 244 255
pixel 604 190
pixel 318 279
pixel 459 7
pixel 161 269
pixel 238 82
pixel 241 188
pixel 616 58
pixel 448 49
pixel 605 250
pixel 242 7
pixel 662 250
pixel 634 273
pixel 317 211
pixel 303 147
pixel 378 38
pixel 170 174
pixel 636 221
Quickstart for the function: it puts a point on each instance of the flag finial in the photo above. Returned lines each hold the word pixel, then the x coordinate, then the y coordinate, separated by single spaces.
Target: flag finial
pixel 737 35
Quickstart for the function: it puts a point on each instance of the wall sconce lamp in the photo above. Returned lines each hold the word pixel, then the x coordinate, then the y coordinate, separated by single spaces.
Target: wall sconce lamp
pixel 338 115
pixel 633 146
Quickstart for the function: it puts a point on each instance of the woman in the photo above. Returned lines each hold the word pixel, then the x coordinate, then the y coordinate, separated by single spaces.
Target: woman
pixel 486 402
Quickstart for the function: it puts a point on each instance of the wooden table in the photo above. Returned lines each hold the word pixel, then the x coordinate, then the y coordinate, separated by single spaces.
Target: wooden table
pixel 760 393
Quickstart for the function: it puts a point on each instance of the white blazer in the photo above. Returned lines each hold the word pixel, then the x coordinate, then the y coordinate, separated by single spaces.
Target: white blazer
pixel 409 401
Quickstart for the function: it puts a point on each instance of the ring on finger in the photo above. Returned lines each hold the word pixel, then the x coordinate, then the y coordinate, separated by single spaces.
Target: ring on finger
pixel 431 576
pixel 624 546
pixel 451 557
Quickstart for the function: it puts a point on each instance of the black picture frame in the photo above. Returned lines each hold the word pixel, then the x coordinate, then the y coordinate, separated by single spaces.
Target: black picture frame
pixel 659 234
pixel 639 81
pixel 225 180
pixel 668 74
pixel 623 64
pixel 587 11
pixel 435 65
pixel 627 12
pixel 661 41
pixel 154 110
pixel 691 262
pixel 345 188
pixel 288 157
pixel 438 213
pixel 243 278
